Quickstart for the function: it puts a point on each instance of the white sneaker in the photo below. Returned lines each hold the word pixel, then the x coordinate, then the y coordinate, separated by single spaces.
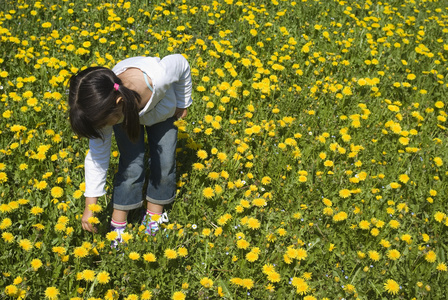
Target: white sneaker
pixel 153 226
pixel 118 239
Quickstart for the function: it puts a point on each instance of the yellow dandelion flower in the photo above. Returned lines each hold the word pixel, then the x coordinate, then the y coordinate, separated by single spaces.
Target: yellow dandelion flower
pixel 111 236
pixel 36 264
pixel 236 280
pixel 364 224
pixel 302 288
pixel 391 286
pixel 431 256
pixel 134 255
pixel 282 232
pixel 344 193
pixel 178 296
pixel 407 238
pixel 374 255
pixel 253 223
pixel 36 210
pixel 202 154
pixel 251 256
pixel 439 216
pixel 95 208
pixel 259 202
pixel 266 180
pixel 18 280
pixel 411 76
pixel 131 297
pixel 126 237
pixel 155 217
pixel 103 277
pixel 206 231
pixel 198 166
pixel 268 268
pixel 403 178
pixel 11 290
pixel 218 231
pixel 57 192
pixel 146 295
pixel 59 250
pixel 301 254
pixel 77 194
pixel 439 104
pixel 385 243
pixel 26 244
pixel 441 267
pixel 394 224
pixel 340 216
pixel 274 277
pixel 395 185
pixel 208 192
pixel 247 283
pixel 8 237
pixel 328 163
pixel 149 257
pixel 170 254
pixel 302 178
pixel 80 252
pixel 88 275
pixel 6 223
pixel 242 244
pixel 222 156
pixel 291 252
pixel 393 254
pixel 206 282
pixel 3 177
pixel 51 293
pixel 93 220
pixel 224 219
pixel 182 251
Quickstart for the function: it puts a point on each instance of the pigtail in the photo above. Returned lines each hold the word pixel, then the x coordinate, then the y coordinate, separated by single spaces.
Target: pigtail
pixel 131 122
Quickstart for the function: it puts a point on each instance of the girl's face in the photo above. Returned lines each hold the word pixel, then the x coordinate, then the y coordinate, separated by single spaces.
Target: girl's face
pixel 116 118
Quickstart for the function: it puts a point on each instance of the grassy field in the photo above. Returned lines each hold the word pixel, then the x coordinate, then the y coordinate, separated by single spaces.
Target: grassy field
pixel 311 165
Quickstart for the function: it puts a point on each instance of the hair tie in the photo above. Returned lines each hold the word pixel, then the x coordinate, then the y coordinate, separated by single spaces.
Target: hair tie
pixel 116 86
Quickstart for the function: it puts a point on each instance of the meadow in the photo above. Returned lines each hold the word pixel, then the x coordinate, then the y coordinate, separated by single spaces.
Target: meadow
pixel 311 165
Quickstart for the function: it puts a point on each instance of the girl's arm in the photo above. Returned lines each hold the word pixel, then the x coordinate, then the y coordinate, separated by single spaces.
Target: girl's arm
pixel 180 113
pixel 178 74
pixel 96 164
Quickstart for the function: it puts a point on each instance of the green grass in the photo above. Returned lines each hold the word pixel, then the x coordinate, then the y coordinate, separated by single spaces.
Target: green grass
pixel 321 109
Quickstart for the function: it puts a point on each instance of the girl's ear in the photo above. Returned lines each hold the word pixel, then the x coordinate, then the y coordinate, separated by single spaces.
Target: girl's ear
pixel 119 99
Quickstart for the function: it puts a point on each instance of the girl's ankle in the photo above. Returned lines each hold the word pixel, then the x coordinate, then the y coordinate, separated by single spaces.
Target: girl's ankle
pixel 151 213
pixel 118 225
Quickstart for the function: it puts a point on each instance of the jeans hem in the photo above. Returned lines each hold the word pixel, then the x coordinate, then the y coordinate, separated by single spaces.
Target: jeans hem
pixel 160 202
pixel 128 207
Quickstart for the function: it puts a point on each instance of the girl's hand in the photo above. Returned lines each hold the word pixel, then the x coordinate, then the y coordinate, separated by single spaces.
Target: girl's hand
pixel 88 214
pixel 180 113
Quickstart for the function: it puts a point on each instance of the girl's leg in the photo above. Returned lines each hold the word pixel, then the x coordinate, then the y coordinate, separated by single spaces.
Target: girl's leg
pixel 129 179
pixel 155 208
pixel 119 215
pixel 162 139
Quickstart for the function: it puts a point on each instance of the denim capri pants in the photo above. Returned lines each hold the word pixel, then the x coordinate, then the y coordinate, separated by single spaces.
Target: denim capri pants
pixel 130 178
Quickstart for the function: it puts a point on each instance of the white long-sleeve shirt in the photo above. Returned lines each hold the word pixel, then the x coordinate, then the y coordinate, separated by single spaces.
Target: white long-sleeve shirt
pixel 171 80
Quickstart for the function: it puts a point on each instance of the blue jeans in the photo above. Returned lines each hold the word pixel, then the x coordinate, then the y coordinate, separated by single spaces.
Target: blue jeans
pixel 130 178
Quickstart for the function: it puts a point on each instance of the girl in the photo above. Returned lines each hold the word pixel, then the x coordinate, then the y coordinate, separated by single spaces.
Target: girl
pixel 140 94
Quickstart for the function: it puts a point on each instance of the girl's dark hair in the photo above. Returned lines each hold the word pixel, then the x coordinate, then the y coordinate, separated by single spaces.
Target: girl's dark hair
pixel 93 101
